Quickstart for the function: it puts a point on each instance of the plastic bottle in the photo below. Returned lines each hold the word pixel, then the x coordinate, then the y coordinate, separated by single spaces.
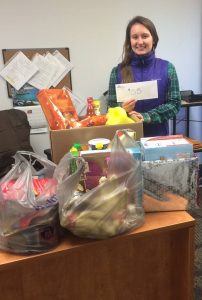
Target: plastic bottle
pixel 74 151
pixel 90 108
pixel 96 105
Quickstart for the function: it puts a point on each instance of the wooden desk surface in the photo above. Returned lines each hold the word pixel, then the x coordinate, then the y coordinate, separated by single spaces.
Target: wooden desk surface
pixel 154 223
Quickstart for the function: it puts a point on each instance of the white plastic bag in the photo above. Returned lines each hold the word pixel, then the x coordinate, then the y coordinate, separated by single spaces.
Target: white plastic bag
pixel 28 205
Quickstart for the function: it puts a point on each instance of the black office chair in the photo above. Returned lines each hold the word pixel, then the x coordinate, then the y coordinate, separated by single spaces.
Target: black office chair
pixel 14 136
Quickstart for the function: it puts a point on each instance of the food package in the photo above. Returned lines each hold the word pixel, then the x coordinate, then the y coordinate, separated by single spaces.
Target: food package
pixel 58 108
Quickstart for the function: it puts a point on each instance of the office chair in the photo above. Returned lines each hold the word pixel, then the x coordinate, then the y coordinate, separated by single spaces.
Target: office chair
pixel 14 136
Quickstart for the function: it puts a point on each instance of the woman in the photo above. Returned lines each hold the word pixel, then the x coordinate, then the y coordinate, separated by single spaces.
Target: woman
pixel 140 64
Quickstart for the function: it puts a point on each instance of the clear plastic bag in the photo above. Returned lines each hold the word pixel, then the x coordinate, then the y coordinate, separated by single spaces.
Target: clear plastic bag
pixel 28 205
pixel 113 207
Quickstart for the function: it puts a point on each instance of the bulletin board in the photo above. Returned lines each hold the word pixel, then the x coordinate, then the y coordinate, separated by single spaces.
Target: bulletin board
pixel 8 54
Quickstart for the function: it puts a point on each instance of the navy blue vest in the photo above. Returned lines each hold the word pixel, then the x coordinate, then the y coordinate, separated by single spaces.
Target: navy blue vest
pixel 146 68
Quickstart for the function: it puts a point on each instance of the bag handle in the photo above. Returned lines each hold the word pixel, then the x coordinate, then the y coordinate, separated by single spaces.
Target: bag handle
pixel 39 165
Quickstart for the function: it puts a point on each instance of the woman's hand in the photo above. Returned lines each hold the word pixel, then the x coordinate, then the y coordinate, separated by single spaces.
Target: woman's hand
pixel 129 105
pixel 136 116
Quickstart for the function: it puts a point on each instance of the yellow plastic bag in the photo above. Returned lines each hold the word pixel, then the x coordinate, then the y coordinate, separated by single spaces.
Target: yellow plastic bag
pixel 117 115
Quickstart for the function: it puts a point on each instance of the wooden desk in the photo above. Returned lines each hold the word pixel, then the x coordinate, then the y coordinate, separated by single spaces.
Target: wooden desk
pixel 153 262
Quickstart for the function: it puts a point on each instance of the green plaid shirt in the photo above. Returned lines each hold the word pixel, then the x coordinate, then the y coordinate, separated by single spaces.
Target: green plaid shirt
pixel 162 112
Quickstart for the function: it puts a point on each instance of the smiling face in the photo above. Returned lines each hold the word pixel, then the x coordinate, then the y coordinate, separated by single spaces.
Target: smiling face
pixel 141 39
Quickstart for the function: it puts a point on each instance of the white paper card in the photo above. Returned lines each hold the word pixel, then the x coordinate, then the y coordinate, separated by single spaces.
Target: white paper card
pixel 18 70
pixel 137 90
pixel 59 68
pixel 66 63
pixel 41 80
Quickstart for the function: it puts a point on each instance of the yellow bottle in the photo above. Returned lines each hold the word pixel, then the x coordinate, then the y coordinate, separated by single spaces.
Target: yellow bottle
pixel 96 105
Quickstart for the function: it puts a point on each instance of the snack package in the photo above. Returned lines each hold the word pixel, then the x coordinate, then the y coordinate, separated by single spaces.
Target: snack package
pixel 110 209
pixel 58 108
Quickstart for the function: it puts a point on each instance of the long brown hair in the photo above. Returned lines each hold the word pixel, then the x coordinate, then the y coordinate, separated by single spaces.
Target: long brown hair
pixel 126 71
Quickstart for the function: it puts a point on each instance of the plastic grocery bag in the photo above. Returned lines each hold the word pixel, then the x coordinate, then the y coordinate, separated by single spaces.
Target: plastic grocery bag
pixel 113 207
pixel 28 205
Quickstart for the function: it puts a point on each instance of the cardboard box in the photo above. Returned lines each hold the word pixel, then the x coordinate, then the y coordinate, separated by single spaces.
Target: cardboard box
pixel 63 140
pixel 166 147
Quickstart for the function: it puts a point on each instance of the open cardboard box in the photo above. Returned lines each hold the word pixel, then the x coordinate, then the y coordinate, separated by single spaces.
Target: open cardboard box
pixel 63 140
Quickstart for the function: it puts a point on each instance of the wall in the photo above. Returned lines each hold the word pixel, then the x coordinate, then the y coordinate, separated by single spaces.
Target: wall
pixel 95 30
